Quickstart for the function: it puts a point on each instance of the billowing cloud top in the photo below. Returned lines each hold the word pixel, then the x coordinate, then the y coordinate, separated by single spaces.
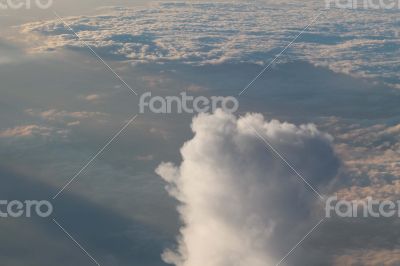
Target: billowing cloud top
pixel 238 200
pixel 363 42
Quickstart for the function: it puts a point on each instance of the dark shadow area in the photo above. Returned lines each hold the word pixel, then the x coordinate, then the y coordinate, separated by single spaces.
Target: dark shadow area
pixel 111 238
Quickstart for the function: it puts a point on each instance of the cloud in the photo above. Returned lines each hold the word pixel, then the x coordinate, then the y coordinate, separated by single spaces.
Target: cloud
pixel 28 131
pixel 213 33
pixel 92 97
pixel 370 150
pixel 370 258
pixel 65 117
pixel 239 204
pixel 158 131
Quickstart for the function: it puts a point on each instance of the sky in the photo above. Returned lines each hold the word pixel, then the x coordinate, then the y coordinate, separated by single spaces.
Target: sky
pixel 318 115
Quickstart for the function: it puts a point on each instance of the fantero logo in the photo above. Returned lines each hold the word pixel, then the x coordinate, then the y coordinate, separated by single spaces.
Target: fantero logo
pixel 25 4
pixel 27 208
pixel 363 4
pixel 186 104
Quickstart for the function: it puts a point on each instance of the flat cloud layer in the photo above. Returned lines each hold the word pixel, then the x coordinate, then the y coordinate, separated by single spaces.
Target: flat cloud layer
pixel 239 204
pixel 363 42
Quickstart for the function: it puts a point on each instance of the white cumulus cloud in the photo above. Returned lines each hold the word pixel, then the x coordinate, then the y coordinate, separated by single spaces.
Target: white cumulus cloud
pixel 240 205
